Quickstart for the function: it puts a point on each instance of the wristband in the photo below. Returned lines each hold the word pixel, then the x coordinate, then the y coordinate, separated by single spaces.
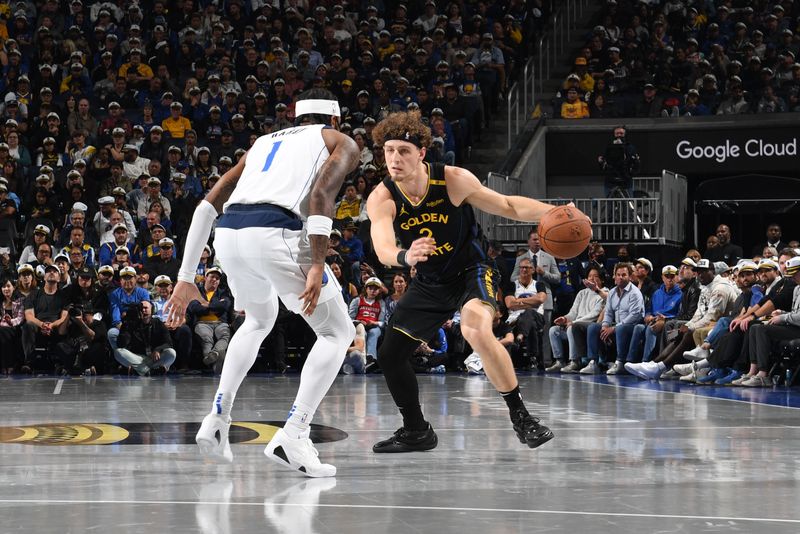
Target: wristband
pixel 401 258
pixel 319 225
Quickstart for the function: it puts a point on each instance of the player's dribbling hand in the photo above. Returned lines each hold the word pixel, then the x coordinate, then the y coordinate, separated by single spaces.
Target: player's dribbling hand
pixel 313 288
pixel 420 249
pixel 175 308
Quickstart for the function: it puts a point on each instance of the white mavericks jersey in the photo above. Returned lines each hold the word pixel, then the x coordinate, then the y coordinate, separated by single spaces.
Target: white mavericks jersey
pixel 280 169
pixel 523 291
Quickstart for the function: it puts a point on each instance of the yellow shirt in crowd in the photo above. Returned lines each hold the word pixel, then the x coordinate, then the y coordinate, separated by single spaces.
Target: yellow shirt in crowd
pixel 176 127
pixel 349 210
pixel 578 110
pixel 210 317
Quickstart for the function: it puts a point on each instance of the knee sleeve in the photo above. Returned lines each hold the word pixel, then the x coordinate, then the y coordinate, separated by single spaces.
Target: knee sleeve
pixel 260 318
pixel 331 322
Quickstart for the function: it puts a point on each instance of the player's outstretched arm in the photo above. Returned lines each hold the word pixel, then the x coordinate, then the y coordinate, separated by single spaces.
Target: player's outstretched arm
pixel 463 186
pixel 204 216
pixel 344 157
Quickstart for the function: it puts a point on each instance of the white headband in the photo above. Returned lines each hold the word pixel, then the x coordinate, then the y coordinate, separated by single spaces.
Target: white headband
pixel 319 107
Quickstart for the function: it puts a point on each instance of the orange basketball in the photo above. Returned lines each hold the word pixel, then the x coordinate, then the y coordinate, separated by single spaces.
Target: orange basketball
pixel 565 231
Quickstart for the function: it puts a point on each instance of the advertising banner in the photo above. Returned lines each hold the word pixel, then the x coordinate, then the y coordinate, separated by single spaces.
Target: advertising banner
pixel 697 150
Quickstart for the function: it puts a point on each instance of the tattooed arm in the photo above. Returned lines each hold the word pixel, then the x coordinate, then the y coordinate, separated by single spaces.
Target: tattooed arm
pixel 344 157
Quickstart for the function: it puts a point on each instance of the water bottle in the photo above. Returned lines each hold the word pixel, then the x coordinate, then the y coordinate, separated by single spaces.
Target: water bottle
pixel 788 377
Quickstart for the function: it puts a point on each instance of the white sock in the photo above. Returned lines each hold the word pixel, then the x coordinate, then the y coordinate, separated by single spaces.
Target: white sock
pixel 299 420
pixel 241 354
pixel 702 364
pixel 334 334
pixel 223 402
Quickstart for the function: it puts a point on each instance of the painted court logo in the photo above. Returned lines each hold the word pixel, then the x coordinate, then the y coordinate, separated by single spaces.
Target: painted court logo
pixel 177 433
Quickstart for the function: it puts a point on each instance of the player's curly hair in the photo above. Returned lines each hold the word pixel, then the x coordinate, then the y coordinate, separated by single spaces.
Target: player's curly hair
pixel 397 125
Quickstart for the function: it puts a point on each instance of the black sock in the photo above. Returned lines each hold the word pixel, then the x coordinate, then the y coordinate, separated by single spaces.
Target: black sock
pixel 413 418
pixel 394 357
pixel 513 400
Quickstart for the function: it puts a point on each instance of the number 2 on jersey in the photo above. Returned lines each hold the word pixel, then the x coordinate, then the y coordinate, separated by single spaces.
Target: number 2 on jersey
pixel 271 156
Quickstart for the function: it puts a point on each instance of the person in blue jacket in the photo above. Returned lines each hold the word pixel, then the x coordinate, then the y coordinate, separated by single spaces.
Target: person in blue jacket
pixel 663 306
pixel 121 298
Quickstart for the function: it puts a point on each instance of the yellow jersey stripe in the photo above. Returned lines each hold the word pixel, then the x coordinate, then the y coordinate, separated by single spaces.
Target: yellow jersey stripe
pixel 409 335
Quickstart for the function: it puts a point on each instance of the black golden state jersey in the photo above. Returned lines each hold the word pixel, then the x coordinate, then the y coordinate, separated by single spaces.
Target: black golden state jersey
pixel 452 227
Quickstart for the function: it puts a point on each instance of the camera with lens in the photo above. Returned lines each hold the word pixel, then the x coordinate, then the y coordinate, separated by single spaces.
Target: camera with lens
pixel 75 310
pixel 133 313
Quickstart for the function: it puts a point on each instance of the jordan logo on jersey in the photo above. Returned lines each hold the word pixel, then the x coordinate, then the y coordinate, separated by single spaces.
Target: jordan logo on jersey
pixel 403 210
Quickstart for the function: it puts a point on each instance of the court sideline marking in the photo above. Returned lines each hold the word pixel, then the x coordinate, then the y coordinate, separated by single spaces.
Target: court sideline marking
pixel 682 393
pixel 59 385
pixel 422 508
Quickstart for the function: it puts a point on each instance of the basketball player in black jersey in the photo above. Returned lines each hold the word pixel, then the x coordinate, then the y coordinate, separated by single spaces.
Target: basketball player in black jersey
pixel 429 208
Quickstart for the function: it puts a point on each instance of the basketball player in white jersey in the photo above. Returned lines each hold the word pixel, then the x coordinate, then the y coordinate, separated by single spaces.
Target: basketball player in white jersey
pixel 276 204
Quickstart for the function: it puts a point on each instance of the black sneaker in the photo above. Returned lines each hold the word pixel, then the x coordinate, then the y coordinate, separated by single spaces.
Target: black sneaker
pixel 529 431
pixel 408 441
pixel 372 366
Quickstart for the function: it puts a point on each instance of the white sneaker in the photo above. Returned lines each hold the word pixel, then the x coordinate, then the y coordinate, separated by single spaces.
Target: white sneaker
pixel 690 378
pixel 298 454
pixel 556 367
pixel 590 369
pixel 650 370
pixel 572 367
pixel 697 373
pixel 615 369
pixel 635 369
pixel 213 447
pixel 473 364
pixel 697 354
pixel 685 369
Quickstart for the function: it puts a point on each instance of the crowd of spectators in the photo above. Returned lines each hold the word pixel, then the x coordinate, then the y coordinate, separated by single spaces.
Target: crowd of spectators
pixel 620 314
pixel 117 117
pixel 670 58
pixel 717 318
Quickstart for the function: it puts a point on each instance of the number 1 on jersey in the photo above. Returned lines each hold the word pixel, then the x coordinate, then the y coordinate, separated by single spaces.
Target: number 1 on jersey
pixel 271 156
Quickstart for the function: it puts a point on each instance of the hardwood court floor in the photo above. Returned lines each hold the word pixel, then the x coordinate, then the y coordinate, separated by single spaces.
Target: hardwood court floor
pixel 629 456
